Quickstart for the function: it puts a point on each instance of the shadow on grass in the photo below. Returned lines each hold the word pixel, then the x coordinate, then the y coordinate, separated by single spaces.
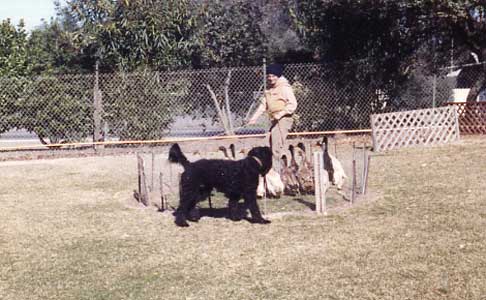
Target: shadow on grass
pixel 310 205
pixel 219 213
pixel 220 210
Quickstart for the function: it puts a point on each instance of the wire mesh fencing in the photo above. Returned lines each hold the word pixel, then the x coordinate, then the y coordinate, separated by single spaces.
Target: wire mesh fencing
pixel 199 103
pixel 55 109
pixel 158 179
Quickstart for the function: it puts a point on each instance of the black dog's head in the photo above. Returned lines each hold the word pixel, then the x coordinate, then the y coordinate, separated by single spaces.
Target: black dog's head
pixel 264 155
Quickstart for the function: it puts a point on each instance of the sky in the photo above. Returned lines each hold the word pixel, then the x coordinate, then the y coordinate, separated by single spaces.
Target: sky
pixel 32 11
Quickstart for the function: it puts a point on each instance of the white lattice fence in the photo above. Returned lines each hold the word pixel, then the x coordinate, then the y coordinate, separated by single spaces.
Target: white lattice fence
pixel 412 128
pixel 472 117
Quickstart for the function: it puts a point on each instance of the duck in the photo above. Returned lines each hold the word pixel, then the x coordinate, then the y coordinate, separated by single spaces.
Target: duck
pixel 289 179
pixel 305 173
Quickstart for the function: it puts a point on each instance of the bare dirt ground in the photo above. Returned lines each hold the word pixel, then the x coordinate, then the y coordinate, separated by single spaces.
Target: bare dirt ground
pixel 70 229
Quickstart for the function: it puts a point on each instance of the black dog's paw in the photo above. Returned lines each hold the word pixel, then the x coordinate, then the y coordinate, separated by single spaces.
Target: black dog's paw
pixel 194 215
pixel 235 218
pixel 181 222
pixel 261 221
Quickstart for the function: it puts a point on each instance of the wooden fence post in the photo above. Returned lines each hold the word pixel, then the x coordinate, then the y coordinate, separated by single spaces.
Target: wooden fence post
pixel 365 183
pixel 321 181
pixel 142 182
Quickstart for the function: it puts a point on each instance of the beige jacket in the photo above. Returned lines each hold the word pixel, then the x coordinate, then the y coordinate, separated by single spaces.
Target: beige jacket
pixel 278 101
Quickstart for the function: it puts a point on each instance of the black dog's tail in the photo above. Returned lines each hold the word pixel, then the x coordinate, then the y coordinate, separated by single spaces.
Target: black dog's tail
pixel 176 156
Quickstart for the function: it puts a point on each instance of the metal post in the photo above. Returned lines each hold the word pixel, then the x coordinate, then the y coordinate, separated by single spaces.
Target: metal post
pixel 317 180
pixel 452 52
pixel 324 184
pixel 163 205
pixel 264 195
pixel 97 103
pixel 353 191
pixel 363 174
pixel 353 188
pixel 434 91
pixel 366 174
pixel 264 75
pixel 227 103
pixel 152 171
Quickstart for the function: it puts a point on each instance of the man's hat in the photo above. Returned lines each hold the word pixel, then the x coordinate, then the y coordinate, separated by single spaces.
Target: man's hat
pixel 275 69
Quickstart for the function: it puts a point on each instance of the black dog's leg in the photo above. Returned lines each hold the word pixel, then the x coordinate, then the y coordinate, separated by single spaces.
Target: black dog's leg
pixel 187 203
pixel 194 214
pixel 180 219
pixel 251 203
pixel 185 212
pixel 234 214
pixel 182 213
pixel 184 197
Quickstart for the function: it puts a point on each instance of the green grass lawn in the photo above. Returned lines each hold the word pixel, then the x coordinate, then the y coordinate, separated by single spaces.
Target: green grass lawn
pixel 69 229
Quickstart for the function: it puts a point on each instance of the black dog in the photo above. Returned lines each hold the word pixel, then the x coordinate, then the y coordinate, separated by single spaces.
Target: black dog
pixel 234 178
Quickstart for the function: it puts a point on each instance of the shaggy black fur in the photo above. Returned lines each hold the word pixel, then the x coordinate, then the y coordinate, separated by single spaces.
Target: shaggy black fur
pixel 234 178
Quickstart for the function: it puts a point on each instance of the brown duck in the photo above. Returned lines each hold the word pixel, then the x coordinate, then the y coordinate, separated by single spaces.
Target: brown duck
pixel 305 173
pixel 289 179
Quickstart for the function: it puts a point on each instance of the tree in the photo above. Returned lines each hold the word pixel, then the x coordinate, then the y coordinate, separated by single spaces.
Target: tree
pixel 141 105
pixel 379 41
pixel 14 60
pixel 121 35
pixel 133 34
pixel 283 43
pixel 463 24
pixel 58 109
pixel 14 63
pixel 52 51
pixel 228 34
pixel 365 40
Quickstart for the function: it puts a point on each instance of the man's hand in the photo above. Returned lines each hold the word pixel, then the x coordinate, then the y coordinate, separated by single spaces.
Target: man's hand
pixel 251 122
pixel 278 115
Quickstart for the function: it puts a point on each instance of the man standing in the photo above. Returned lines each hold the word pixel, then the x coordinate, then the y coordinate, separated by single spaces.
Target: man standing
pixel 280 103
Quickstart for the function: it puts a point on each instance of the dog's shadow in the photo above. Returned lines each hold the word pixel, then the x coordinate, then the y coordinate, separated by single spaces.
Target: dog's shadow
pixel 220 212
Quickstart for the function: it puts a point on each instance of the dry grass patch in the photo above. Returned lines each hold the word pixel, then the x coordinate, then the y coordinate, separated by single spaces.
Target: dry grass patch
pixel 67 232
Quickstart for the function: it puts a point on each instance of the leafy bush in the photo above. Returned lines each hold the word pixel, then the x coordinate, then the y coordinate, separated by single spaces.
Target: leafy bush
pixel 11 89
pixel 58 109
pixel 140 105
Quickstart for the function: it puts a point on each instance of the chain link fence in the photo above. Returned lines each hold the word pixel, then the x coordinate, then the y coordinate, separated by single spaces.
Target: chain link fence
pixel 197 103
